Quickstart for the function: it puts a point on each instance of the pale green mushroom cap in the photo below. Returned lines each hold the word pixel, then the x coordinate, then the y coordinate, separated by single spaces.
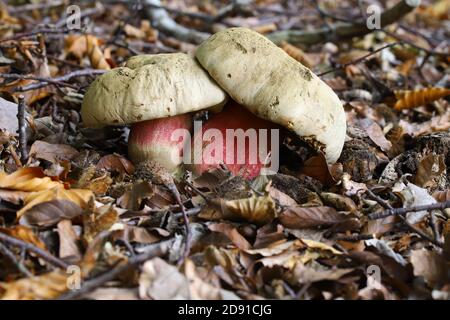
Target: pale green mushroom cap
pixel 150 87
pixel 274 86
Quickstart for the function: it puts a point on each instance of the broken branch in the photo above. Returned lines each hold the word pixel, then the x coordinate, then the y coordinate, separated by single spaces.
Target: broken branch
pixel 343 31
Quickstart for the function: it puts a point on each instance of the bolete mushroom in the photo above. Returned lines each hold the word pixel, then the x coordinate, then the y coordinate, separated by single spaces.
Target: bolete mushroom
pixel 239 139
pixel 155 93
pixel 272 85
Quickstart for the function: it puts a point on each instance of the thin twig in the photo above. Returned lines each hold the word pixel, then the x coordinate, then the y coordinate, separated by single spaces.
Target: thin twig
pixel 154 250
pixel 402 211
pixel 7 253
pixel 59 80
pixel 31 77
pixel 360 59
pixel 22 130
pixel 47 256
pixel 389 208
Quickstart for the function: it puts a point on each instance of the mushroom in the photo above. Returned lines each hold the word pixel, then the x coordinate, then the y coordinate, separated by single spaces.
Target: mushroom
pixel 233 137
pixel 272 85
pixel 155 93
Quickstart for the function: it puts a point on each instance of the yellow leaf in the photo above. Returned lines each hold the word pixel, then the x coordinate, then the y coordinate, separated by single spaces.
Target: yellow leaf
pixel 46 286
pixel 256 209
pixel 319 245
pixel 80 196
pixel 27 179
pixel 415 98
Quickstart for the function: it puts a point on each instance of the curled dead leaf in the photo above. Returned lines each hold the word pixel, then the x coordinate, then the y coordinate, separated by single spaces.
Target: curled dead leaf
pixel 49 213
pixel 27 179
pixel 297 217
pixel 52 152
pixel 79 196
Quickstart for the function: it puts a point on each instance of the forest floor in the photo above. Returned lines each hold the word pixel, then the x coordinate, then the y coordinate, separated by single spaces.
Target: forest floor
pixel 77 222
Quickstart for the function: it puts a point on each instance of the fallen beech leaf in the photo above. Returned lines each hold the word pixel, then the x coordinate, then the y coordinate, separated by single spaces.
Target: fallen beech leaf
pixel 49 213
pixel 304 274
pixel 52 152
pixel 102 219
pixel 137 234
pixel 430 265
pixel 231 232
pixel 277 248
pixel 68 247
pixel 430 168
pixel 297 217
pixel 256 209
pixel 27 179
pixel 115 163
pixel 320 246
pixel 376 134
pixel 46 286
pixel 162 281
pixel 133 198
pixel 79 196
pixel 317 168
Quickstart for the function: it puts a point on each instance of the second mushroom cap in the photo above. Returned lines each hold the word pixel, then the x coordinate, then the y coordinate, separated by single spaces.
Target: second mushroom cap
pixel 263 78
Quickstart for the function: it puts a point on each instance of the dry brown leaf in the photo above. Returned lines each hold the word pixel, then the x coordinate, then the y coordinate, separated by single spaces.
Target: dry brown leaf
pixel 256 209
pixel 27 179
pixel 415 98
pixel 102 219
pixel 46 286
pixel 133 198
pixel 231 232
pixel 430 265
pixel 115 163
pixel 79 196
pixel 87 45
pixel 49 213
pixel 376 134
pixel 317 168
pixel 297 217
pixel 430 168
pixel 160 280
pixel 68 242
pixel 52 152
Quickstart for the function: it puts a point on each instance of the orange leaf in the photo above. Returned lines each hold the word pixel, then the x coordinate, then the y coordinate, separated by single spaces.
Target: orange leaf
pixel 27 179
pixel 415 98
pixel 81 197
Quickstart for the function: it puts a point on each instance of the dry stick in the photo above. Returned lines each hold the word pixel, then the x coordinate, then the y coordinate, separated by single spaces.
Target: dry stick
pixel 187 247
pixel 154 250
pixel 48 81
pixel 34 33
pixel 401 211
pixel 342 31
pixel 31 77
pixel 32 248
pixel 22 130
pixel 163 22
pixel 360 59
pixel 35 6
pixel 412 44
pixel 19 265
